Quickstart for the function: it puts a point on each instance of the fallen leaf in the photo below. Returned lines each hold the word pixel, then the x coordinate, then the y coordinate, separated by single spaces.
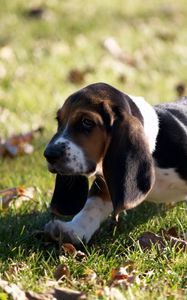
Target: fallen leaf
pixel 77 76
pixel 19 144
pixel 25 194
pixel 69 249
pixel 61 271
pixel 171 231
pixel 180 89
pixel 112 46
pixel 148 239
pixel 16 293
pixel 13 290
pixel 122 272
pixel 35 12
pixel 119 273
pixel 81 255
pixel 8 195
pixel 66 294
pixel 35 296
pixel 124 275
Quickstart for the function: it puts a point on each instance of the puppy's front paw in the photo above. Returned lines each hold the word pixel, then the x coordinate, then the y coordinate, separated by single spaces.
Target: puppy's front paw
pixel 55 229
pixel 62 231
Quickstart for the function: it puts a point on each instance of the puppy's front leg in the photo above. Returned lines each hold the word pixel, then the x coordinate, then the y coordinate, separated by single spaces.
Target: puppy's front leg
pixel 88 220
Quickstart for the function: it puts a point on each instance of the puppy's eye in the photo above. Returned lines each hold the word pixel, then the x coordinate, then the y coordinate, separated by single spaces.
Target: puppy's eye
pixel 88 123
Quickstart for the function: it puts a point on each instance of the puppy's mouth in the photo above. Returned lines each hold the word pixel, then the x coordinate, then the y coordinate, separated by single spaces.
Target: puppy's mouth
pixel 66 170
pixel 59 170
pixel 51 168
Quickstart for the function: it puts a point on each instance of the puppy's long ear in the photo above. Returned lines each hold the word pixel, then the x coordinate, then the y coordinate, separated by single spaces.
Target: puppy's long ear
pixel 70 194
pixel 128 165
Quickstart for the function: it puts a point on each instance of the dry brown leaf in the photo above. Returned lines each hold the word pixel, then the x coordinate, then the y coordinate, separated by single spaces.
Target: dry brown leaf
pixel 16 293
pixel 124 275
pixel 56 294
pixel 180 89
pixel 119 273
pixel 69 249
pixel 35 12
pixel 148 239
pixel 12 290
pixel 81 255
pixel 122 272
pixel 27 195
pixel 171 231
pixel 112 46
pixel 77 76
pixel 8 195
pixel 66 294
pixel 61 272
pixel 18 144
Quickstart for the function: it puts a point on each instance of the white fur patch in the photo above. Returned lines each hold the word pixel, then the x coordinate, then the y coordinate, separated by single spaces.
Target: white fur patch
pixel 168 187
pixel 60 140
pixel 75 156
pixel 151 123
pixel 85 223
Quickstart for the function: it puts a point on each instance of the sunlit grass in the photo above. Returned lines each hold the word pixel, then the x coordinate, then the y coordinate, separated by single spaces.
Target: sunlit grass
pixel 36 56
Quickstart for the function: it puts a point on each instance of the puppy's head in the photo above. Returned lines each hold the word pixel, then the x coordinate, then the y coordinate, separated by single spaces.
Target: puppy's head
pixel 99 127
pixel 84 125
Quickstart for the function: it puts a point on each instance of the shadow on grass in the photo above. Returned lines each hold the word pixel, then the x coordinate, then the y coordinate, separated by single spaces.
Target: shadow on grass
pixel 16 230
pixel 128 222
pixel 16 234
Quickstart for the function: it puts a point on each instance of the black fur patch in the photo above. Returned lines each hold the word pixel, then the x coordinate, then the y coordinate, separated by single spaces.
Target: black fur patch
pixel 171 146
pixel 70 194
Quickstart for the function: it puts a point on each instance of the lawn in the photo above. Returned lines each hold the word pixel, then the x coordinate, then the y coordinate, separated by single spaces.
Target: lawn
pixel 49 49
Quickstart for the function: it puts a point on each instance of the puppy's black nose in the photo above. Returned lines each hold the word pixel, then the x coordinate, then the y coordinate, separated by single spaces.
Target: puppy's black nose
pixel 51 154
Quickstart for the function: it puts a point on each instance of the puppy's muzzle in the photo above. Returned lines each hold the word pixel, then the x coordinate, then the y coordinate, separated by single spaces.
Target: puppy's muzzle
pixel 54 152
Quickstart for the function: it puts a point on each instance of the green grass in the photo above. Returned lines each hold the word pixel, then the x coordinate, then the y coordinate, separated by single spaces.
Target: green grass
pixel 36 56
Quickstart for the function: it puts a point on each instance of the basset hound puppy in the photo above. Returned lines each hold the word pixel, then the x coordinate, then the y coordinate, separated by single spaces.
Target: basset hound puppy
pixel 134 150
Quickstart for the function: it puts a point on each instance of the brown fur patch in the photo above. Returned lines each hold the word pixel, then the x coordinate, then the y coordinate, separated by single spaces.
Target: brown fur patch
pixel 100 189
pixel 94 144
